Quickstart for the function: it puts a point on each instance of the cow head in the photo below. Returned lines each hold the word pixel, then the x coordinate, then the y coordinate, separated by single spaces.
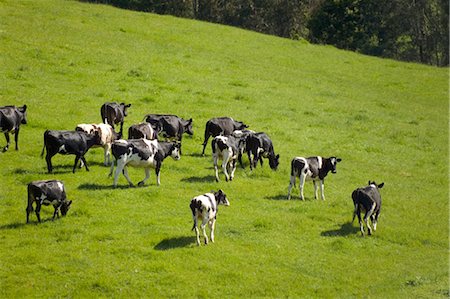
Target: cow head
pixel 124 107
pixel 332 163
pixel 175 150
pixel 221 198
pixel 187 124
pixel 373 183
pixel 23 110
pixel 274 161
pixel 65 206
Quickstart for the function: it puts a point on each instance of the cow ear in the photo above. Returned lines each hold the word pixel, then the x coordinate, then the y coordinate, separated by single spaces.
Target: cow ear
pixel 70 202
pixel 24 108
pixel 368 183
pixel 129 105
pixel 220 191
pixel 380 185
pixel 277 156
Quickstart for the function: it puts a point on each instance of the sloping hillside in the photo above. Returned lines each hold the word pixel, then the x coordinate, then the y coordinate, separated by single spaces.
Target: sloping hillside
pixel 388 121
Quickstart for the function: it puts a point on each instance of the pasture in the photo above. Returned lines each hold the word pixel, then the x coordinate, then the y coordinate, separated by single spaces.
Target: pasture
pixel 387 120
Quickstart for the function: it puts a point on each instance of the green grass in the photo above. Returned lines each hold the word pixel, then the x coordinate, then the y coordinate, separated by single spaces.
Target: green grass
pixel 387 120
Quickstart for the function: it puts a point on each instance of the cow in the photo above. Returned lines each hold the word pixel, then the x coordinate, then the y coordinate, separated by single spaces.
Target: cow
pixel 312 168
pixel 113 113
pixel 227 148
pixel 221 126
pixel 204 207
pixel 170 126
pixel 142 130
pixel 142 153
pixel 367 199
pixel 259 145
pixel 107 136
pixel 68 142
pixel 10 119
pixel 46 193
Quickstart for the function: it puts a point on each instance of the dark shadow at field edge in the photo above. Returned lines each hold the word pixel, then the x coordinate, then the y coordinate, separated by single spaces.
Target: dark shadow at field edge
pixel 199 179
pixel 173 243
pixel 345 230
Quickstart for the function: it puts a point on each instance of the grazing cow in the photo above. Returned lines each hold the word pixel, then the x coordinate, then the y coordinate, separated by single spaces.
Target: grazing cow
pixel 259 145
pixel 113 113
pixel 107 136
pixel 170 126
pixel 367 199
pixel 221 126
pixel 10 119
pixel 227 148
pixel 68 142
pixel 46 193
pixel 142 130
pixel 142 153
pixel 205 207
pixel 313 168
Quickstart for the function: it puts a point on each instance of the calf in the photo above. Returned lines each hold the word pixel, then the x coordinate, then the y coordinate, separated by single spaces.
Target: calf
pixel 170 126
pixel 204 207
pixel 107 136
pixel 46 193
pixel 259 145
pixel 68 142
pixel 367 199
pixel 228 149
pixel 10 119
pixel 142 130
pixel 142 153
pixel 221 126
pixel 313 168
pixel 113 113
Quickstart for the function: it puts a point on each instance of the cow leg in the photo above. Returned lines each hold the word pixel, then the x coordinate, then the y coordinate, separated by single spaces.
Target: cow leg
pixel 121 128
pixel 30 206
pixel 7 142
pixel 55 213
pixel 212 224
pixel 120 167
pixel 315 189
pixel 125 174
pixel 48 159
pixel 83 159
pixel 147 175
pixel 203 227
pixel 216 158
pixel 16 139
pixel 361 226
pixel 375 220
pixel 197 234
pixel 38 211
pixel 367 216
pixel 321 189
pixel 233 169
pixel 224 168
pixel 354 212
pixel 291 184
pixel 158 172
pixel 205 142
pixel 107 149
pixel 250 159
pixel 301 185
pixel 77 158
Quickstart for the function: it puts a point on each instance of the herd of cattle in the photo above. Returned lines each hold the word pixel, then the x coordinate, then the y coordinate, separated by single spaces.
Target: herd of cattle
pixel 231 140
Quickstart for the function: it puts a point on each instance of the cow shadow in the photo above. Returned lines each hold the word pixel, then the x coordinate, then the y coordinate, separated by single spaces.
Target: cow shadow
pixel 178 242
pixel 89 186
pixel 15 225
pixel 199 179
pixel 277 197
pixel 345 230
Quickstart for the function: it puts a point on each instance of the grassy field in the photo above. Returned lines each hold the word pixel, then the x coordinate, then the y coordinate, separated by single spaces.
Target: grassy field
pixel 387 120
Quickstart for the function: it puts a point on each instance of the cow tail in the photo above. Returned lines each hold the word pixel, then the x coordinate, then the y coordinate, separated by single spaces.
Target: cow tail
pixel 43 148
pixel 293 174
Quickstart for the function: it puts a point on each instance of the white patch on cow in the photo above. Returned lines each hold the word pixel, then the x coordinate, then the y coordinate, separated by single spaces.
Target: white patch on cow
pixel 60 185
pixel 319 161
pixel 62 149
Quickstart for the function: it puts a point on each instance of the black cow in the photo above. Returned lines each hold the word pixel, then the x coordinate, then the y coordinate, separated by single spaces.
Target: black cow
pixel 46 193
pixel 227 148
pixel 10 119
pixel 312 168
pixel 142 130
pixel 170 126
pixel 68 142
pixel 142 153
pixel 113 113
pixel 367 199
pixel 221 126
pixel 259 145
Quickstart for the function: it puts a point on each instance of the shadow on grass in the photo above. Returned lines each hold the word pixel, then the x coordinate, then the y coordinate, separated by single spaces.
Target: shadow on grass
pixel 199 179
pixel 345 230
pixel 173 243
pixel 277 197
pixel 89 186
pixel 33 220
pixel 15 225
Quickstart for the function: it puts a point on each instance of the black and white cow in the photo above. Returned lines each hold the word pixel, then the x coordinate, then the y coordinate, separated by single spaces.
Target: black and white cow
pixel 259 145
pixel 142 130
pixel 170 126
pixel 107 136
pixel 204 207
pixel 68 143
pixel 10 119
pixel 312 168
pixel 221 126
pixel 142 153
pixel 367 199
pixel 227 148
pixel 114 113
pixel 46 193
